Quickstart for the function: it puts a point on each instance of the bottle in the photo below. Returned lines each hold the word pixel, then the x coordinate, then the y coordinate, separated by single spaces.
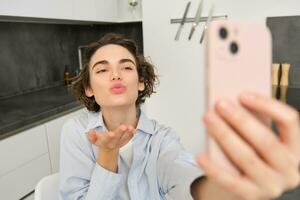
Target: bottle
pixel 285 67
pixel 284 81
pixel 275 73
pixel 66 75
pixel 275 79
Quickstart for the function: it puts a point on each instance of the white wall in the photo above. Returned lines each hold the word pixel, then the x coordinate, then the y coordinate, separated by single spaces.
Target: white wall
pixel 179 101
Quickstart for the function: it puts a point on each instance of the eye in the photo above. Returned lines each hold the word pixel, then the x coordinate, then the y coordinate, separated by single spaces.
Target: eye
pixel 101 71
pixel 128 68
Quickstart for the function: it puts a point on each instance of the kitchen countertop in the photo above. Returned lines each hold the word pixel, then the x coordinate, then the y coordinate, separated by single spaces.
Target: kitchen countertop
pixel 22 112
pixel 26 111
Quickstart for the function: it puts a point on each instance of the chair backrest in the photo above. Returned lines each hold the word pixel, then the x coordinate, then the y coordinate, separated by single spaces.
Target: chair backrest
pixel 47 188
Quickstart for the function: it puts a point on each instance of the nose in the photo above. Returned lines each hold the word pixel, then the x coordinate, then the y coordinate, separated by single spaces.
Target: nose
pixel 116 78
pixel 116 75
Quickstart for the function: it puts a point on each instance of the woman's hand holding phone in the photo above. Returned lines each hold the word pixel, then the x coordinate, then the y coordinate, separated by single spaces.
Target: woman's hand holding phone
pixel 268 164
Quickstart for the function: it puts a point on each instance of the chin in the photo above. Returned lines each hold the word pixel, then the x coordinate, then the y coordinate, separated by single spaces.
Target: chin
pixel 119 101
pixel 120 104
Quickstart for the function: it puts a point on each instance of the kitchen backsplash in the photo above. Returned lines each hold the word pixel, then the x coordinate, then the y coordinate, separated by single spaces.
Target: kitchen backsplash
pixel 286 44
pixel 33 55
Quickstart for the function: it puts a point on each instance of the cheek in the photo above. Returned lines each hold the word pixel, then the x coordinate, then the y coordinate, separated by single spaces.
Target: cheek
pixel 134 84
pixel 98 81
pixel 99 88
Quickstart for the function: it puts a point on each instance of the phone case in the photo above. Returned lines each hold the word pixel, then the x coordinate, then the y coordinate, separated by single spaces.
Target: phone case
pixel 238 58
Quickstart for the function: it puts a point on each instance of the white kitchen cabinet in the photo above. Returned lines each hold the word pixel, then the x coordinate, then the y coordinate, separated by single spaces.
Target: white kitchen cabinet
pixel 29 156
pixel 81 10
pixel 106 10
pixel 53 9
pixel 59 9
pixel 24 161
pixel 95 10
pixel 53 130
pixel 84 10
pixel 23 180
pixel 21 148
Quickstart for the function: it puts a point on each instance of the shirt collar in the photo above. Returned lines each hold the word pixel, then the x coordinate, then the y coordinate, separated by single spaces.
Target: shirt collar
pixel 95 121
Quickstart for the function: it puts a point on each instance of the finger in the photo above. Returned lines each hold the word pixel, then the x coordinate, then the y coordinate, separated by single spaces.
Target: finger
pixel 126 137
pixel 120 131
pixel 124 130
pixel 96 137
pixel 102 140
pixel 285 117
pixel 256 134
pixel 131 129
pixel 234 184
pixel 246 159
pixel 92 136
pixel 112 138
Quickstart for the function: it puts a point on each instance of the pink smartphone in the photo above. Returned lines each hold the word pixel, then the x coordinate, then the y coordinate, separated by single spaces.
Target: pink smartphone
pixel 238 58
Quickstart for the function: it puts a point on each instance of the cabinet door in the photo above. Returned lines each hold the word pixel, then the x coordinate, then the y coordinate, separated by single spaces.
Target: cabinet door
pixel 106 10
pixel 24 161
pixel 23 180
pixel 58 9
pixel 53 129
pixel 84 10
pixel 55 9
pixel 21 148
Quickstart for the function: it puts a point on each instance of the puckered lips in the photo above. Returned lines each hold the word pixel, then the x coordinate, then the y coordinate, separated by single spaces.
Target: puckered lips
pixel 118 88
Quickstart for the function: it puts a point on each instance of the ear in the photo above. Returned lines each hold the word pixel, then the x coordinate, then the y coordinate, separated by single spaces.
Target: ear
pixel 89 92
pixel 141 86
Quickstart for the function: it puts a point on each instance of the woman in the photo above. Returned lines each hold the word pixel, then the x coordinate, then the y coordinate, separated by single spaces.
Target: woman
pixel 115 152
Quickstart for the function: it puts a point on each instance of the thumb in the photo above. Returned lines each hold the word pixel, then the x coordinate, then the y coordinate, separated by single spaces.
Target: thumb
pixel 92 136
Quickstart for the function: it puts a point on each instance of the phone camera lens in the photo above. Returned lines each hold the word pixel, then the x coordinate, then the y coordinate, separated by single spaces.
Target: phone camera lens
pixel 223 33
pixel 234 48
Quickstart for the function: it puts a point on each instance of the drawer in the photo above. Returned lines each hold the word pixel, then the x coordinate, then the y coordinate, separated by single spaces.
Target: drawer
pixel 23 180
pixel 22 148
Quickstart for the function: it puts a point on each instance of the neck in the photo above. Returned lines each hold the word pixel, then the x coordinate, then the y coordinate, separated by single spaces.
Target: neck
pixel 114 117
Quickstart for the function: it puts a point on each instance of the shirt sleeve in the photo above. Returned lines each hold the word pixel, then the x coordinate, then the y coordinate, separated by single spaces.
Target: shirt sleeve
pixel 81 178
pixel 177 168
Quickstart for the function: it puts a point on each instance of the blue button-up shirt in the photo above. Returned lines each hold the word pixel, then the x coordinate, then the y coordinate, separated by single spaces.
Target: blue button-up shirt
pixel 160 165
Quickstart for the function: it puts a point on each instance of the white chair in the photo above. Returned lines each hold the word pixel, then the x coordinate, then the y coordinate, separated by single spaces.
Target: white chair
pixel 47 188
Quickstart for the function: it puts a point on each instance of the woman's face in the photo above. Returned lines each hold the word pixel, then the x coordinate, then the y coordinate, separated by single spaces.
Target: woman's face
pixel 114 78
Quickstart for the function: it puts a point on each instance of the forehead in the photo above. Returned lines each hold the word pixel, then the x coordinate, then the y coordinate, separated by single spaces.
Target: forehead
pixel 111 52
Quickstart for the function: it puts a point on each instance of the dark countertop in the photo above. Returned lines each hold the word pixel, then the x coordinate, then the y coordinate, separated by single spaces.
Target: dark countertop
pixel 26 111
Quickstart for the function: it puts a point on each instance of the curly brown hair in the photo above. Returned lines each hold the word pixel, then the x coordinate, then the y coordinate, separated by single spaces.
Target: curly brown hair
pixel 146 72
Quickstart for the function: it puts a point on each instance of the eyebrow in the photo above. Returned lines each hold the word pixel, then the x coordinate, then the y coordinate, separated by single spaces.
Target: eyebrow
pixel 123 60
